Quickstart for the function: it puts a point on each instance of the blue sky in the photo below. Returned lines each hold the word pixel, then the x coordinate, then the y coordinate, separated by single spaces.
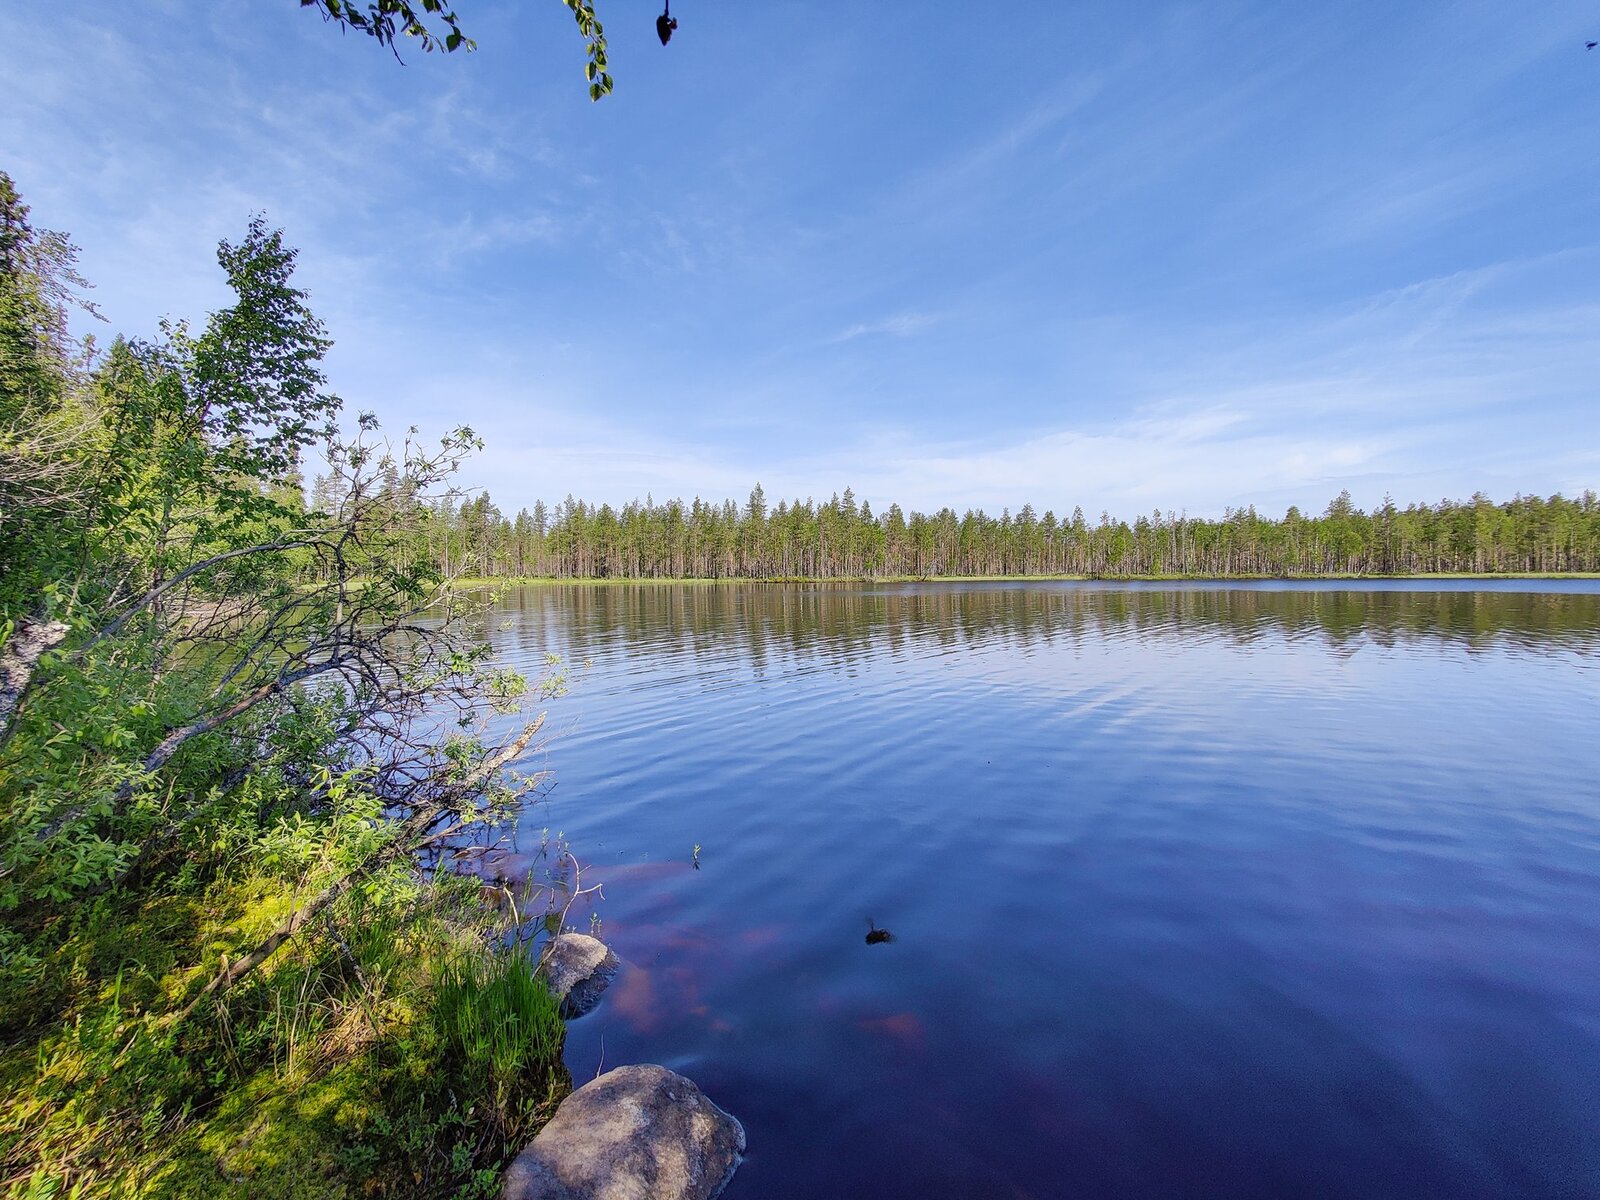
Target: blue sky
pixel 1121 256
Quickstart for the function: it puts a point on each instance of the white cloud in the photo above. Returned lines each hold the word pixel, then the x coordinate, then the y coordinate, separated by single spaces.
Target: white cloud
pixel 901 325
pixel 1170 273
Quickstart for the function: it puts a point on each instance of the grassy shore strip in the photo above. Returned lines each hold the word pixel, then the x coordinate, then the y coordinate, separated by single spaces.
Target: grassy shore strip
pixel 614 581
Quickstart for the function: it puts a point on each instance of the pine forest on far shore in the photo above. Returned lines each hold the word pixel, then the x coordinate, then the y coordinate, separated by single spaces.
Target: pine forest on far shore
pixel 841 539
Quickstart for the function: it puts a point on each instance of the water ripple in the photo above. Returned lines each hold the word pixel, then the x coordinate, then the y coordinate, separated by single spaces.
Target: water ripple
pixel 1196 890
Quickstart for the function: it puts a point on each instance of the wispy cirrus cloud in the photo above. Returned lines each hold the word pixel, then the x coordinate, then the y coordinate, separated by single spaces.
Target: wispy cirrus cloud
pixel 1119 259
pixel 900 325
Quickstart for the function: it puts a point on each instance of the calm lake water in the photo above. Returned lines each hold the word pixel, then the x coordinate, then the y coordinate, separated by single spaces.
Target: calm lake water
pixel 1256 890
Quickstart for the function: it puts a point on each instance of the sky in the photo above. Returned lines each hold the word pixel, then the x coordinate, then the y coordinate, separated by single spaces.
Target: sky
pixel 1124 257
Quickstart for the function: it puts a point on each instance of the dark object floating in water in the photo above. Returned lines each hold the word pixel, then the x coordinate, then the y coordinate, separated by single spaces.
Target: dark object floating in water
pixel 876 936
pixel 665 24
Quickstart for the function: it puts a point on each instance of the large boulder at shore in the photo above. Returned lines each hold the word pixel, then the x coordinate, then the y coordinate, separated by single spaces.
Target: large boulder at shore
pixel 635 1133
pixel 577 969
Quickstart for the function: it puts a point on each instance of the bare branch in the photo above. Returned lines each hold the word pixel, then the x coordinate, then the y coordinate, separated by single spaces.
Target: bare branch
pixel 412 835
pixel 161 589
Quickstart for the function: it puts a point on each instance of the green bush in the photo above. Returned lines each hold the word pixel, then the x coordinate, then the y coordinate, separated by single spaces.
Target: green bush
pixel 235 958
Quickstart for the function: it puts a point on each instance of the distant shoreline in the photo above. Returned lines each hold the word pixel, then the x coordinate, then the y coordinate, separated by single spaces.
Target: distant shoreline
pixel 615 581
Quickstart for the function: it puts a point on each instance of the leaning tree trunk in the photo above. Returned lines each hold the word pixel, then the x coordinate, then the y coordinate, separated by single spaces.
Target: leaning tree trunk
pixel 29 642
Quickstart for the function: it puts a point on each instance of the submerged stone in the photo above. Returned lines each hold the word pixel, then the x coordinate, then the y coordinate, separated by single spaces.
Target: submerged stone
pixel 635 1133
pixel 577 969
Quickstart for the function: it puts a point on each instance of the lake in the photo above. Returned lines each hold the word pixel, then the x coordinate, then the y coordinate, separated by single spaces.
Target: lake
pixel 1235 890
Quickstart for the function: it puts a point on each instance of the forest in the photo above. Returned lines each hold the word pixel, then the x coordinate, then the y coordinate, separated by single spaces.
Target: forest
pixel 843 539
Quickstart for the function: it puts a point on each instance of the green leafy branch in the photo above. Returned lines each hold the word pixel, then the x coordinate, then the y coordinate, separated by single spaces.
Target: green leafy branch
pixel 387 20
pixel 384 19
pixel 594 34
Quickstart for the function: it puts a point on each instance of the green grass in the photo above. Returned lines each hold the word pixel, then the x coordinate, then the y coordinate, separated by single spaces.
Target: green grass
pixel 409 1061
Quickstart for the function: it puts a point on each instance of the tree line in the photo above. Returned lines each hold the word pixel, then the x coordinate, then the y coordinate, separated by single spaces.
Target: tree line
pixel 841 538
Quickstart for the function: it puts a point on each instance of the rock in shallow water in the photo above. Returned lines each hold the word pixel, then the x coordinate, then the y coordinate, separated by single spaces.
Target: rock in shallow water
pixel 635 1133
pixel 577 967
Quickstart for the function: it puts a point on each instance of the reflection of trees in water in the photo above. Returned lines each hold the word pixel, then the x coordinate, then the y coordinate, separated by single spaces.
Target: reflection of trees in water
pixel 846 623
